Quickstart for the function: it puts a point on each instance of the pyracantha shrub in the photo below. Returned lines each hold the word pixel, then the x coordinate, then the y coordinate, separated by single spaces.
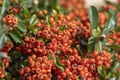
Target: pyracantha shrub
pixel 59 40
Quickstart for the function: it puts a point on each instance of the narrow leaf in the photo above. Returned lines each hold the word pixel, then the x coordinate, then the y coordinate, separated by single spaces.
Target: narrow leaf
pixel 50 56
pixel 59 64
pixel 4 6
pixel 2 64
pixel 102 71
pixel 93 17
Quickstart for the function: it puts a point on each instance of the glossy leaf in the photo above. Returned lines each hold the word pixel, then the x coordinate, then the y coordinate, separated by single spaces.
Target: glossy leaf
pixel 59 64
pixel 111 23
pixel 93 17
pixel 91 43
pixel 21 26
pixel 16 36
pixel 33 19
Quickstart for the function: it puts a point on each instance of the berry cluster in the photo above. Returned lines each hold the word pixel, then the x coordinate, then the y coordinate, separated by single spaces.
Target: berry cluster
pixel 6 64
pixel 32 46
pixel 114 38
pixel 39 68
pixel 11 21
pixel 6 48
pixel 84 67
pixel 62 34
pixel 14 10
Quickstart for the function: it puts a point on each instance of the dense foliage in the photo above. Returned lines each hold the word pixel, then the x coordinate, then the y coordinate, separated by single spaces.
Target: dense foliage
pixel 59 40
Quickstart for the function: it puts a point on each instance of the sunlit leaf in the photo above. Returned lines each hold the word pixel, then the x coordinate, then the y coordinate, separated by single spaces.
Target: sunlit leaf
pixel 33 19
pixel 111 22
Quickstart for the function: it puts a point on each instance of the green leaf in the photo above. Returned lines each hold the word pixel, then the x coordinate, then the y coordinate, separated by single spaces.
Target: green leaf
pixel 79 49
pixel 111 23
pixel 91 43
pixel 16 36
pixel 59 52
pixel 3 40
pixel 55 13
pixel 98 46
pixel 4 29
pixel 95 32
pixel 2 64
pixel 42 39
pixel 50 56
pixel 102 71
pixel 21 26
pixel 4 6
pixel 117 29
pixel 33 19
pixel 8 76
pixel 63 27
pixel 114 46
pixel 59 64
pixel 47 20
pixel 115 66
pixel 25 10
pixel 3 55
pixel 93 17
